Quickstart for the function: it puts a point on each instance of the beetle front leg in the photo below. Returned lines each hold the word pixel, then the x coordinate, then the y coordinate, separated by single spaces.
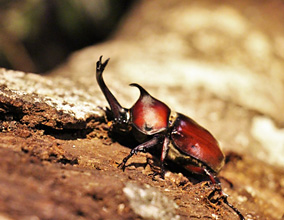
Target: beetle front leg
pixel 140 148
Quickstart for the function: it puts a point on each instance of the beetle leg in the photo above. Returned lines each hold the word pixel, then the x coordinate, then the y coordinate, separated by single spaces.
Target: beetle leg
pixel 218 188
pixel 164 154
pixel 224 197
pixel 212 177
pixel 140 148
pixel 227 180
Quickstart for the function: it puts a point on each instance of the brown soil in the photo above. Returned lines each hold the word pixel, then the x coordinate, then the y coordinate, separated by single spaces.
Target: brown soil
pixel 56 175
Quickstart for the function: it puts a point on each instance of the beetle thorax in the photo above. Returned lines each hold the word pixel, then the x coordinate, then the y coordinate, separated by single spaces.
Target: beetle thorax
pixel 149 114
pixel 147 100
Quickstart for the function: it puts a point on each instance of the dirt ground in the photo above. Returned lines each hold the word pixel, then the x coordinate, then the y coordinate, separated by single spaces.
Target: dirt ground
pixel 70 175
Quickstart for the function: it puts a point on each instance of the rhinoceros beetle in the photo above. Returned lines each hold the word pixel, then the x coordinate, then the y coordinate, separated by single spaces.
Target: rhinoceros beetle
pixel 182 140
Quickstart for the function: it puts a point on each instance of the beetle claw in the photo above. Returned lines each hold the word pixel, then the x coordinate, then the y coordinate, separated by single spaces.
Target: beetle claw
pixel 125 159
pixel 122 166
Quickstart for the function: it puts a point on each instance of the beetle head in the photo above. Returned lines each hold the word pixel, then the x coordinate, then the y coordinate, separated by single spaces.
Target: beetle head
pixel 121 123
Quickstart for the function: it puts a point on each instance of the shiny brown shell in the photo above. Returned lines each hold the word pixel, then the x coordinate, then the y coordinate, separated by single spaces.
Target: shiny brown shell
pixel 149 115
pixel 195 141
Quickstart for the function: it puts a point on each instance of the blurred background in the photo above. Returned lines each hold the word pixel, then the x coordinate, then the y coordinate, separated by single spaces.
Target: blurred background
pixel 37 35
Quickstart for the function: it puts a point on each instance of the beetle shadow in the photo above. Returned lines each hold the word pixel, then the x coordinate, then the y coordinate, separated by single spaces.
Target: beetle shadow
pixel 192 177
pixel 126 140
pixel 136 165
pixel 123 139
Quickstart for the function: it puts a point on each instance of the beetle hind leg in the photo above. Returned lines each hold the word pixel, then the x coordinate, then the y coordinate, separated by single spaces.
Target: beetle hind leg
pixel 222 197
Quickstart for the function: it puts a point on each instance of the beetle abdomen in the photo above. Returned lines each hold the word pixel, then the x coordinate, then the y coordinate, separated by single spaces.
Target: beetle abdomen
pixel 149 115
pixel 195 141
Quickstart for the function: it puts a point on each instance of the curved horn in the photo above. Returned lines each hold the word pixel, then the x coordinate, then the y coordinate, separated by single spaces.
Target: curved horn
pixel 116 108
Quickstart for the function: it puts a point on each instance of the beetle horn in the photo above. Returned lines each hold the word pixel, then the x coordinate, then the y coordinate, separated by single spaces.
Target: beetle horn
pixel 142 90
pixel 116 108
